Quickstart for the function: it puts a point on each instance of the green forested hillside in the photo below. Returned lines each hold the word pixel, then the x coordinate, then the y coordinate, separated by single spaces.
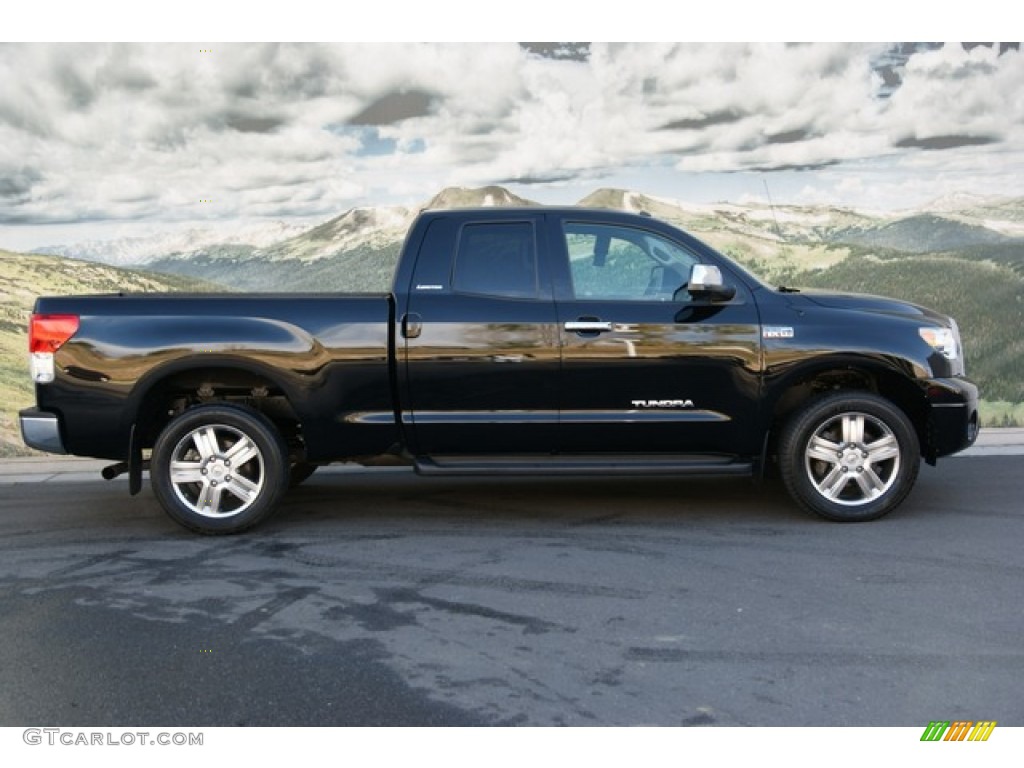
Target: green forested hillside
pixel 986 299
pixel 923 233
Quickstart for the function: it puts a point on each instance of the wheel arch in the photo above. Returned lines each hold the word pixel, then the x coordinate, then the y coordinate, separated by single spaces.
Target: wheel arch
pixel 848 373
pixel 168 390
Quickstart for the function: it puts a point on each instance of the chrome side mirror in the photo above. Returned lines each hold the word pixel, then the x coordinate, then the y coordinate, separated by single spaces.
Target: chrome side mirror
pixel 706 282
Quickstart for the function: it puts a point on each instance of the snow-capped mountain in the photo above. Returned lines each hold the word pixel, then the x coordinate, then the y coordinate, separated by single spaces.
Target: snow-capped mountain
pixel 481 197
pixel 358 248
pixel 137 251
pixel 357 228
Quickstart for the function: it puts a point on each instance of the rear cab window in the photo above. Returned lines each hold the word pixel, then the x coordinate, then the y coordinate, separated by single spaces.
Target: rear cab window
pixel 496 259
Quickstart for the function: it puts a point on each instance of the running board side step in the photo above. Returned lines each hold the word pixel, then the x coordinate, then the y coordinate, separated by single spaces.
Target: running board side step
pixel 583 465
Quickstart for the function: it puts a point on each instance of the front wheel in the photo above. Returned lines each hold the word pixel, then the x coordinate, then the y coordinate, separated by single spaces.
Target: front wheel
pixel 219 468
pixel 850 456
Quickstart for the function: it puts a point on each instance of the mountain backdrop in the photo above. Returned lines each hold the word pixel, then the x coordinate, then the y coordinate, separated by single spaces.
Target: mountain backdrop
pixel 962 254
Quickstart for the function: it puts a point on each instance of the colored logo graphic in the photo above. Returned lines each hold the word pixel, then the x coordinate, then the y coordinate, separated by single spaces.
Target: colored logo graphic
pixel 958 730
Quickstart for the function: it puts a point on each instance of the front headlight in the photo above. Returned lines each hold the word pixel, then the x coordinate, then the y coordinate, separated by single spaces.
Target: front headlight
pixel 942 340
pixel 946 341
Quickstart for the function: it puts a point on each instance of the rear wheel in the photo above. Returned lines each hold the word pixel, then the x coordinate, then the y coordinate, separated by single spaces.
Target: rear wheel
pixel 219 469
pixel 850 456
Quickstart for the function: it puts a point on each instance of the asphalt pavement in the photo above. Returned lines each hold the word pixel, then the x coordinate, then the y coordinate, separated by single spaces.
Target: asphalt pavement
pixel 390 599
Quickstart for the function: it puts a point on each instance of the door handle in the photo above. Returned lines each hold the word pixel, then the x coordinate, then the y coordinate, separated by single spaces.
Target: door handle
pixel 588 326
pixel 412 325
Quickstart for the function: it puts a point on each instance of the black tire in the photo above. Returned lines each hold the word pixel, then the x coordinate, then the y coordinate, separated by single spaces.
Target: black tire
pixel 849 456
pixel 300 472
pixel 230 468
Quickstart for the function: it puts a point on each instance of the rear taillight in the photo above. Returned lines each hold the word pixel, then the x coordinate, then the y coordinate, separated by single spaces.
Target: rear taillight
pixel 46 334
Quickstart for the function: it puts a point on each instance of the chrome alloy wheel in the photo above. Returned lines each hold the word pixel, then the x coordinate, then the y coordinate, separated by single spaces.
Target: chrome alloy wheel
pixel 852 459
pixel 217 471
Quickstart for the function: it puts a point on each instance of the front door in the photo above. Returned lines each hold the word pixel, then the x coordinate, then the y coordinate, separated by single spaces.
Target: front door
pixel 646 368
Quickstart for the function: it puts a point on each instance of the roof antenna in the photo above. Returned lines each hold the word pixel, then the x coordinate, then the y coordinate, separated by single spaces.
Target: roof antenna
pixel 771 205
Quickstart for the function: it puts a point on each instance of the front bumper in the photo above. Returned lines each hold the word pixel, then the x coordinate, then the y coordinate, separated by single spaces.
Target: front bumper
pixel 41 430
pixel 953 417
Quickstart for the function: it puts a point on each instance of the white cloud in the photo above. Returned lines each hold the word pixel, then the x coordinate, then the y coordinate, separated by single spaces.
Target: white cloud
pixel 144 132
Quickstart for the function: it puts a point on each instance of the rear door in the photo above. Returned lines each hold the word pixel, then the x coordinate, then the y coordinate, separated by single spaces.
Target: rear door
pixel 481 338
pixel 646 368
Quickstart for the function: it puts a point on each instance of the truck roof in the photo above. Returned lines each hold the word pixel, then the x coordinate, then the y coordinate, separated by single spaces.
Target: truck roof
pixel 528 208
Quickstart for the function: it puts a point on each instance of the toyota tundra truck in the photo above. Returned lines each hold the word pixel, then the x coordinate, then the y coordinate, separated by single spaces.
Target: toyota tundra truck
pixel 526 341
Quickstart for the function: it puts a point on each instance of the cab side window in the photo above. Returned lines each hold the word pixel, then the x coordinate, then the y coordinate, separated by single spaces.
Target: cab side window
pixel 497 259
pixel 626 264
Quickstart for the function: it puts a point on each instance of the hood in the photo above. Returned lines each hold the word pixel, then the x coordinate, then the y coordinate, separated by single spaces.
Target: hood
pixel 859 302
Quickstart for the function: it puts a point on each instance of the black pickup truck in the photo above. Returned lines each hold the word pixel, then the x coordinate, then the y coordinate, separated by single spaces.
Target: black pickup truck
pixel 526 341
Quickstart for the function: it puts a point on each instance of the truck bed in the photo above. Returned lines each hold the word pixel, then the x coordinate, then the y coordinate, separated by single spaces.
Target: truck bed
pixel 328 354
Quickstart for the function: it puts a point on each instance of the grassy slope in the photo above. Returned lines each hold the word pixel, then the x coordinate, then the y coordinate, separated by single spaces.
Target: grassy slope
pixel 22 278
pixel 364 269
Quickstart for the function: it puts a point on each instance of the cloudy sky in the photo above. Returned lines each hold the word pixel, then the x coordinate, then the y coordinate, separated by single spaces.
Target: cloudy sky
pixel 103 140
